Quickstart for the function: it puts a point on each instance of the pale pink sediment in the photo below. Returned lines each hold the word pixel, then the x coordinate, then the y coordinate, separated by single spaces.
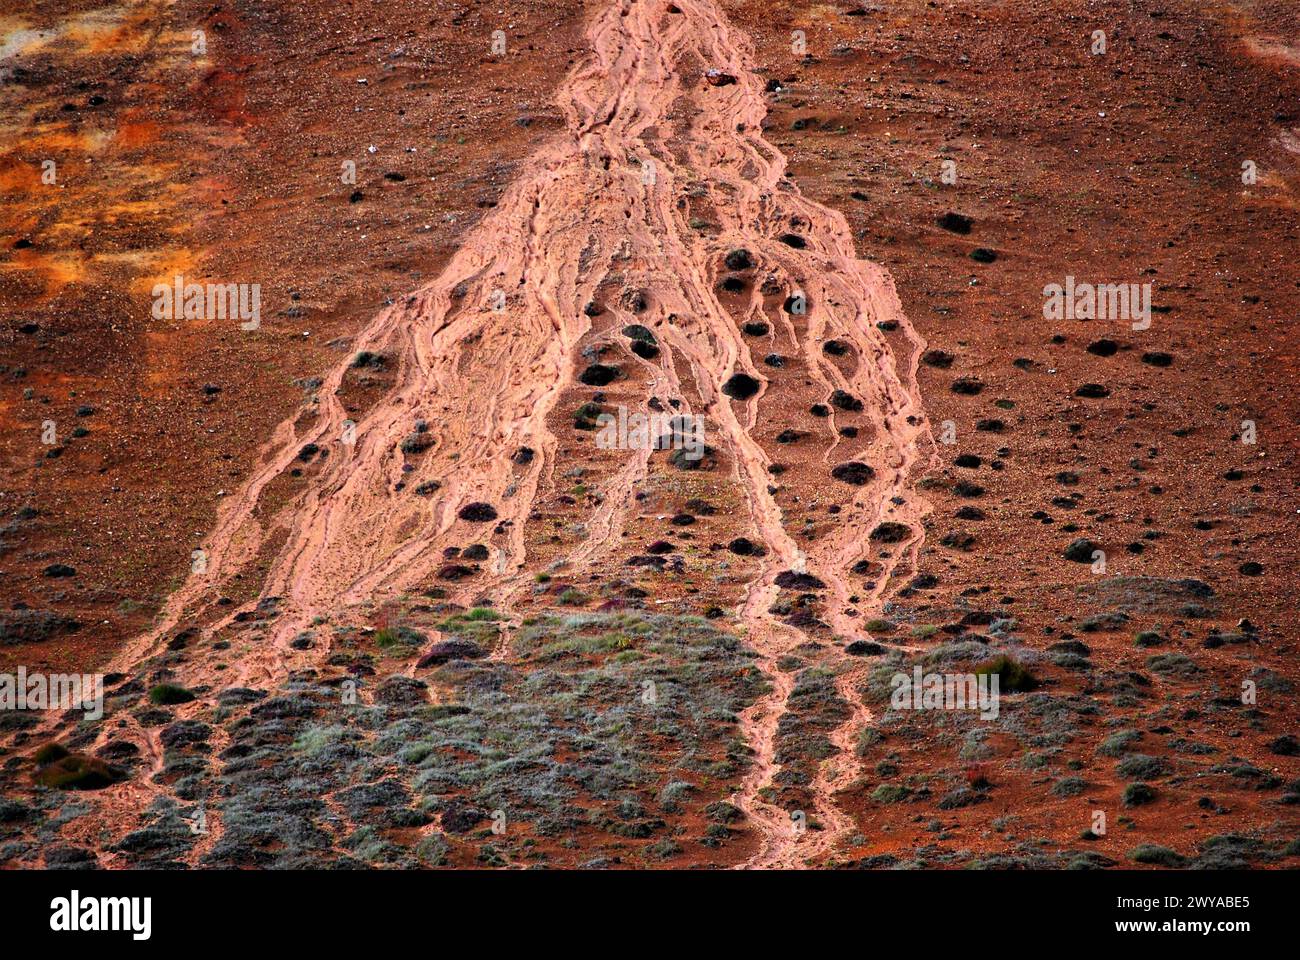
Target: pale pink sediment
pixel 485 381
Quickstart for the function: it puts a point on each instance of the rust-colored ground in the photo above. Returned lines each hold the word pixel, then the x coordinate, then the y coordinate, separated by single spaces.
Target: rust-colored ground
pixel 1123 167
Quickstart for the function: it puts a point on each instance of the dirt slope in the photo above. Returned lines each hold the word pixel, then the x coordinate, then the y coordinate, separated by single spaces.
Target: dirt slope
pixel 437 591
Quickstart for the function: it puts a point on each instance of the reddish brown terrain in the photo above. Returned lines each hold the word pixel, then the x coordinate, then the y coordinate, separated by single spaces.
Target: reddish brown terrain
pixel 370 587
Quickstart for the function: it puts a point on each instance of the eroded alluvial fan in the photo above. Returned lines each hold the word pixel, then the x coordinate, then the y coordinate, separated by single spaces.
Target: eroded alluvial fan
pixel 664 129
pixel 480 355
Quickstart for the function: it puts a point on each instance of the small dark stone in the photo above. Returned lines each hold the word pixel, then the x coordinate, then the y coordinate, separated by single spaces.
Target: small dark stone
pixel 853 473
pixel 478 512
pixel 937 358
pixel 1080 550
pixel 741 386
pixel 846 401
pixel 864 648
pixel 792 580
pixel 891 531
pixel 955 222
pixel 599 374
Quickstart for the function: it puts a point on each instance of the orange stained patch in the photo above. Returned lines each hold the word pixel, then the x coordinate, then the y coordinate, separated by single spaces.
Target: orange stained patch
pixel 18 176
pixel 133 135
pixel 56 270
pixel 162 358
pixel 170 262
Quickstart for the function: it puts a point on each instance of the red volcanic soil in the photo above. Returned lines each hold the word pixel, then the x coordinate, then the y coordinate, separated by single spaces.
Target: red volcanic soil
pixel 428 587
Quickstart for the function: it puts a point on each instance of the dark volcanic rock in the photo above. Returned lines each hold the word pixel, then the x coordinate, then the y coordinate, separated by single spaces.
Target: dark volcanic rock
pixel 891 531
pixel 744 547
pixel 599 375
pixel 846 401
pixel 477 512
pixel 792 580
pixel 741 386
pixel 1080 550
pixel 955 222
pixel 864 648
pixel 853 472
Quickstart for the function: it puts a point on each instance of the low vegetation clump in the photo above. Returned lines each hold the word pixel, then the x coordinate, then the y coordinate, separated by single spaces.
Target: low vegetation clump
pixel 891 793
pixel 74 771
pixel 1138 794
pixel 399 636
pixel 168 694
pixel 1172 665
pixel 1013 676
pixel 1139 766
pixel 368 360
pixel 1151 853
